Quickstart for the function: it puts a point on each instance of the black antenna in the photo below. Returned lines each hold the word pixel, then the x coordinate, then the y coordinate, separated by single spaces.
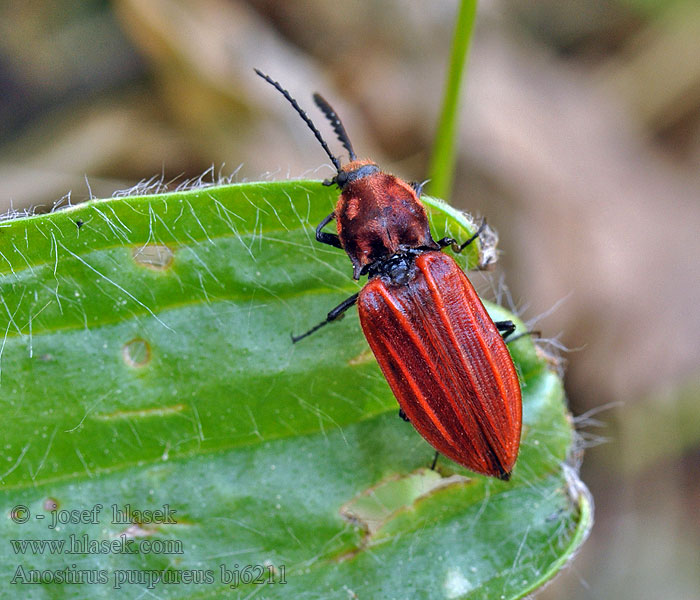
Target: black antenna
pixel 333 117
pixel 303 115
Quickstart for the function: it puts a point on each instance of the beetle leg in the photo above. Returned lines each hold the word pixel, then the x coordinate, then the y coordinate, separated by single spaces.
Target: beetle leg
pixel 437 455
pixel 403 415
pixel 418 187
pixel 517 337
pixel 456 247
pixel 505 328
pixel 333 315
pixel 331 239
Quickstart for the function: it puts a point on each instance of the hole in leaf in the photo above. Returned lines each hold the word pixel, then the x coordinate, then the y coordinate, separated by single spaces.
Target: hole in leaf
pixel 135 530
pixel 153 256
pixel 136 353
pixel 376 505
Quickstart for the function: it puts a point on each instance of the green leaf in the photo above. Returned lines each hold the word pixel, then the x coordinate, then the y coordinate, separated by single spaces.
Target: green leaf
pixel 146 361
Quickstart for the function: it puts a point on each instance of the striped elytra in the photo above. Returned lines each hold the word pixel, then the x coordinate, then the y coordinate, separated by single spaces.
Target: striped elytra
pixel 446 363
pixel 443 356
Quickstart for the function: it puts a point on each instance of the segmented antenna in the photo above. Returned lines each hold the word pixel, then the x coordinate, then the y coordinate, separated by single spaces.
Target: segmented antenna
pixel 333 117
pixel 303 115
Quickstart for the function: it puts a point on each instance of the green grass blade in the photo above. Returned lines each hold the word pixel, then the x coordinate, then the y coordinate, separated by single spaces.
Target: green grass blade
pixel 442 163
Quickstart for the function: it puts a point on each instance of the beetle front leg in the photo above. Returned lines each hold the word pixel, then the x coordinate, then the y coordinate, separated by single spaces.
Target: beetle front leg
pixel 331 239
pixel 418 186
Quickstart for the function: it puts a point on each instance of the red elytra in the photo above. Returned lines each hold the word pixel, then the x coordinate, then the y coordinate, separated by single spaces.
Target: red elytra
pixel 446 363
pixel 441 353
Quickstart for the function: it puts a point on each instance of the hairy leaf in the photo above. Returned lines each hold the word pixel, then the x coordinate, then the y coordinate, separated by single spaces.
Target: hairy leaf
pixel 146 363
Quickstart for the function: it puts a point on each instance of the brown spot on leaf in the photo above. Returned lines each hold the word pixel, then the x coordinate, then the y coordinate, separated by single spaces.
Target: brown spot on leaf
pixel 363 358
pixel 50 504
pixel 153 256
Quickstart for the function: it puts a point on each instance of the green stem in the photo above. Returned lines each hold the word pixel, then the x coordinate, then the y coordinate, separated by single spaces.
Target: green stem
pixel 442 164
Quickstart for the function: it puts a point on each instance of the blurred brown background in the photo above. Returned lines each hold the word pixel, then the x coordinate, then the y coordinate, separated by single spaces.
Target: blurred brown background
pixel 580 140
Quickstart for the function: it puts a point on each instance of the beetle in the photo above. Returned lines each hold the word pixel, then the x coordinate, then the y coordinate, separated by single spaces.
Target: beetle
pixel 443 356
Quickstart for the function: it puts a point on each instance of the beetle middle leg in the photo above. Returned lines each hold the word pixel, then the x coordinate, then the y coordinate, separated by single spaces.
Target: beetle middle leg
pixel 456 246
pixel 333 315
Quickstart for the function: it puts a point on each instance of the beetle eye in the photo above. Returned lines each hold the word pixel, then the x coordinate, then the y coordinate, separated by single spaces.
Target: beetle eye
pixel 341 179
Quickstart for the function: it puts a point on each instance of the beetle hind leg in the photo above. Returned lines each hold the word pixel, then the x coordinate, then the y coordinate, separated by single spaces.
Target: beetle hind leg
pixel 505 328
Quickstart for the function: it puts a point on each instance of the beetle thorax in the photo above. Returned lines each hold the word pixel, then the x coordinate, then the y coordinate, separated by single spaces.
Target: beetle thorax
pixel 378 216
